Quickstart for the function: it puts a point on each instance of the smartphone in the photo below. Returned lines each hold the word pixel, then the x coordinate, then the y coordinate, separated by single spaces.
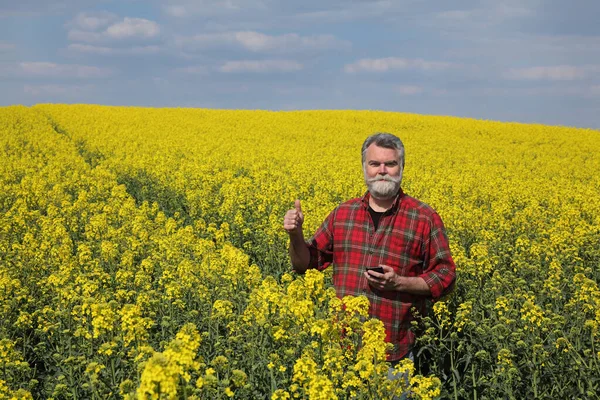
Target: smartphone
pixel 376 269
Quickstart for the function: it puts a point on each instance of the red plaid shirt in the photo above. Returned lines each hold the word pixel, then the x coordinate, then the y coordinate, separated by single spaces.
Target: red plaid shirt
pixel 410 238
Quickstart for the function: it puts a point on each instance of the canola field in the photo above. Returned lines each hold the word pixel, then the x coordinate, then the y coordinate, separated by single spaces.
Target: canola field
pixel 142 256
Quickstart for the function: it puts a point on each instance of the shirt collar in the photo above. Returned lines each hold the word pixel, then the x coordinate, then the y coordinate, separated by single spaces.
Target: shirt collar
pixel 395 204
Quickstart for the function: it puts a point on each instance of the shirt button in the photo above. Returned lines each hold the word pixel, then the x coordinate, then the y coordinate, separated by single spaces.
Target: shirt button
pixel 371 251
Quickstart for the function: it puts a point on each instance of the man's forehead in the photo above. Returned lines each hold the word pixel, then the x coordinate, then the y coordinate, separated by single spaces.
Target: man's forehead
pixel 374 151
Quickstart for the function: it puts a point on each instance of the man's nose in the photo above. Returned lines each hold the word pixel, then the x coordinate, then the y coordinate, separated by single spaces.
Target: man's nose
pixel 382 169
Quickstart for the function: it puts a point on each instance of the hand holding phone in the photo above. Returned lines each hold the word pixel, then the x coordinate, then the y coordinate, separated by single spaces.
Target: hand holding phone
pixel 376 269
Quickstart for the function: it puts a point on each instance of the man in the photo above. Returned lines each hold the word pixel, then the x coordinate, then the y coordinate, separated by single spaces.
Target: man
pixel 385 228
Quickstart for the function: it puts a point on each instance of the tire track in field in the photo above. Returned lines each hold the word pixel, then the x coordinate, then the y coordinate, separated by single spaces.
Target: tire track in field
pixel 139 183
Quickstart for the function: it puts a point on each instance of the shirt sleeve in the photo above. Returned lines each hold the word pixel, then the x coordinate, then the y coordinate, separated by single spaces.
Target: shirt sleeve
pixel 320 245
pixel 439 269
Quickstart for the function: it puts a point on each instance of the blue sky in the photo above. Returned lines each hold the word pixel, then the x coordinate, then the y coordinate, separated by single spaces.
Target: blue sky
pixel 514 60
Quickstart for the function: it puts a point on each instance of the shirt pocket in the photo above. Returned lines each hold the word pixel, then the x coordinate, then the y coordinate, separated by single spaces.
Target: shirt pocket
pixel 405 254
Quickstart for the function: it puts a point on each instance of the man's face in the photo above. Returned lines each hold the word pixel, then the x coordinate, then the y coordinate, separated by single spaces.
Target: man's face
pixel 383 172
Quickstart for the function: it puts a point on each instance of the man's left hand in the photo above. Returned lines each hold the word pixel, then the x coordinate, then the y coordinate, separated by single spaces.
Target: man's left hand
pixel 386 281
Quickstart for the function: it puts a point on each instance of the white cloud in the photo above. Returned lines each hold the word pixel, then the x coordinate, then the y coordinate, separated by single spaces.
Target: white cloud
pixel 552 73
pixel 491 13
pixel 192 70
pixel 260 42
pixel 90 49
pixel 420 12
pixel 5 46
pixel 255 41
pixel 340 11
pixel 395 63
pixel 515 45
pixel 101 50
pixel 141 50
pixel 505 10
pixel 307 9
pixel 258 14
pixel 133 27
pixel 485 15
pixel 408 90
pixel 56 90
pixel 93 21
pixel 106 27
pixel 261 66
pixel 193 8
pixel 412 90
pixel 545 91
pixel 53 70
pixel 47 69
pixel 455 15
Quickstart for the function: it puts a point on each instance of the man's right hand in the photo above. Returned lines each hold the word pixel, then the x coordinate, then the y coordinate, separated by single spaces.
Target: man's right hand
pixel 293 220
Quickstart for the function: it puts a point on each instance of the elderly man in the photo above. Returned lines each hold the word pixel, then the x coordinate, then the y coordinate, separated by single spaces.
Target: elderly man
pixel 385 245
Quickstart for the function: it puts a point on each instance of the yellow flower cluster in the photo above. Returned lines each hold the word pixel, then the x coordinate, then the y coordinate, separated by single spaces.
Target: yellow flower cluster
pixel 442 313
pixel 425 388
pixel 161 374
pixel 6 393
pixel 532 315
pixel 13 367
pixel 504 362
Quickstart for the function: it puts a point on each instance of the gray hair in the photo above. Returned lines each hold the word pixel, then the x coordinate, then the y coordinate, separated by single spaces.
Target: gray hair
pixel 385 140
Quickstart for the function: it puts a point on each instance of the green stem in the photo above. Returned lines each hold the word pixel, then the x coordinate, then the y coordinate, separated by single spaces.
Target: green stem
pixel 112 371
pixel 474 381
pixel 594 359
pixel 273 382
pixel 452 369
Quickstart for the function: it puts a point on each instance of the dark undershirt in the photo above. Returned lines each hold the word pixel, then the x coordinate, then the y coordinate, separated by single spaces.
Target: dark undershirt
pixel 375 216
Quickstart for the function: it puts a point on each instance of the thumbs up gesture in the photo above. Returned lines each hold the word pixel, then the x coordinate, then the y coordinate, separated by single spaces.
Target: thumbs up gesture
pixel 293 220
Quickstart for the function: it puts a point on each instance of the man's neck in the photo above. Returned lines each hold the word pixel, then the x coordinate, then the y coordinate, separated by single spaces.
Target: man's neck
pixel 381 205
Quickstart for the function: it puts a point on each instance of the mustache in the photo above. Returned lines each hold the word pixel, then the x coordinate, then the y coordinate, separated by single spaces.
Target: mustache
pixel 386 178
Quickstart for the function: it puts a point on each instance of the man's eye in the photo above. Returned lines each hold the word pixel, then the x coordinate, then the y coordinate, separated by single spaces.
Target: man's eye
pixel 391 164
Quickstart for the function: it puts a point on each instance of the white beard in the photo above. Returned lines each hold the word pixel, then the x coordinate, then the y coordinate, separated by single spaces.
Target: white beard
pixel 383 189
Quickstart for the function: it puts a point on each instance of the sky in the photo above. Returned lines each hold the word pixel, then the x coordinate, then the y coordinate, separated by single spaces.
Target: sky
pixel 533 61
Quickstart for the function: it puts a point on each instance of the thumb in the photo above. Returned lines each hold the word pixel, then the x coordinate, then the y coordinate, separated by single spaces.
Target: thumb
pixel 297 206
pixel 386 268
